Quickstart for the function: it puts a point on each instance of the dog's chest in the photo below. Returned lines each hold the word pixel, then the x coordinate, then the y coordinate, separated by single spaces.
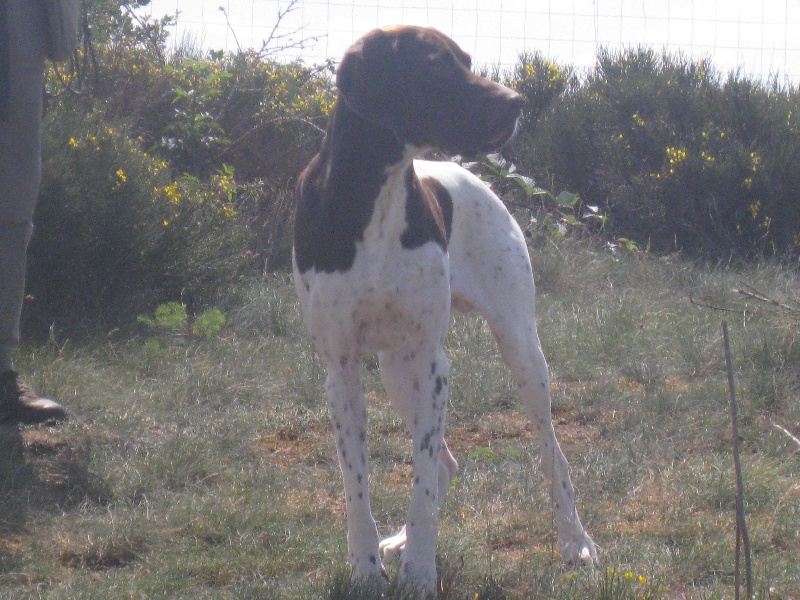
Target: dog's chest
pixel 394 295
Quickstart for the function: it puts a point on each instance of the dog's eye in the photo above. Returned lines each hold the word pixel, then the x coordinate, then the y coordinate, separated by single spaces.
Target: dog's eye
pixel 442 65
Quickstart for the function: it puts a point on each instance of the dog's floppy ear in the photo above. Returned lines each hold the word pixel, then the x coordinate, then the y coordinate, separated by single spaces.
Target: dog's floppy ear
pixel 348 69
pixel 367 77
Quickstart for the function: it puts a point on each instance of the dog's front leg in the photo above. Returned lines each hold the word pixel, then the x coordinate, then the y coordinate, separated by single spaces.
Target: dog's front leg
pixel 396 374
pixel 349 418
pixel 430 387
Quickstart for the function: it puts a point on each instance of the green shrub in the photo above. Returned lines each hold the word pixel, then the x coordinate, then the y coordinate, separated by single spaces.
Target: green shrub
pixel 115 234
pixel 199 112
pixel 262 117
pixel 678 157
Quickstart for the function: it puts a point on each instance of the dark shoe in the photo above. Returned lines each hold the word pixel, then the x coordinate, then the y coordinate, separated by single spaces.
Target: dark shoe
pixel 20 404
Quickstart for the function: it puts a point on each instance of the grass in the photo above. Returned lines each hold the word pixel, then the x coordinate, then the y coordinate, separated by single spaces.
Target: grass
pixel 206 468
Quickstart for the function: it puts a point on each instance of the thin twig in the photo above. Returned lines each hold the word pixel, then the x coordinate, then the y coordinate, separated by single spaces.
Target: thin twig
pixel 788 433
pixel 231 29
pixel 755 294
pixel 712 306
pixel 150 37
pixel 222 153
pixel 741 524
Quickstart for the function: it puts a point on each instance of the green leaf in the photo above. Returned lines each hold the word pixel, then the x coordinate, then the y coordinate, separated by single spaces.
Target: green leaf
pixel 497 161
pixel 567 199
pixel 527 184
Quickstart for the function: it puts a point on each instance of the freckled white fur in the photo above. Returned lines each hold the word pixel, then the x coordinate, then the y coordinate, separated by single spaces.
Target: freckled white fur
pixel 396 302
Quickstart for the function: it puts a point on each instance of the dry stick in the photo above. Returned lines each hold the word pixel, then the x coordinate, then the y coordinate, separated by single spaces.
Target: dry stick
pixel 787 432
pixel 741 525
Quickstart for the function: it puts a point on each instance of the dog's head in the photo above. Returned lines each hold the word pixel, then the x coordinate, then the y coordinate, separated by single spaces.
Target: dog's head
pixel 417 82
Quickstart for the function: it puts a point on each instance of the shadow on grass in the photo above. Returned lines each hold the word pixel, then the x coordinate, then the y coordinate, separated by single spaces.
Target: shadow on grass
pixel 453 584
pixel 15 478
pixel 40 472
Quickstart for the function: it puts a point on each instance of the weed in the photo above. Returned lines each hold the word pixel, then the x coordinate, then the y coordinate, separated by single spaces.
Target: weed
pixel 171 318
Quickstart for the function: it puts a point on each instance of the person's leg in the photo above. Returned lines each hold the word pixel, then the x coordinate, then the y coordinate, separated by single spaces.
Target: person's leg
pixel 18 403
pixel 20 160
pixel 14 239
pixel 20 177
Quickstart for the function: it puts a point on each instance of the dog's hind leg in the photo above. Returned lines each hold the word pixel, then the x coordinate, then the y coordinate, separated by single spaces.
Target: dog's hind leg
pixel 491 272
pixel 521 351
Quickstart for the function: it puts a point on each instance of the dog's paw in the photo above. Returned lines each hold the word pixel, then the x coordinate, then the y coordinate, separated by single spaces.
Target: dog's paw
pixel 369 585
pixel 579 552
pixel 392 546
pixel 418 580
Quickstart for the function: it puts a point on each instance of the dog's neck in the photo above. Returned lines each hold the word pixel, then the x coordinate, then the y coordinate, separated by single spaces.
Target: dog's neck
pixel 339 188
pixel 360 148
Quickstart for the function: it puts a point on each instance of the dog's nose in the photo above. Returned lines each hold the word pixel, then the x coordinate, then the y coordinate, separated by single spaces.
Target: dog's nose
pixel 510 105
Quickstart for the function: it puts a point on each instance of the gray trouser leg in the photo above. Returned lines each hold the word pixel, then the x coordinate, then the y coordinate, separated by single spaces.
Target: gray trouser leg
pixel 14 238
pixel 20 159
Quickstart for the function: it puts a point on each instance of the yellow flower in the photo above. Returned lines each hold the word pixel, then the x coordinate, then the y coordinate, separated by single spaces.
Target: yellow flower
pixel 675 155
pixel 172 193
pixel 73 143
pixel 121 175
pixel 755 161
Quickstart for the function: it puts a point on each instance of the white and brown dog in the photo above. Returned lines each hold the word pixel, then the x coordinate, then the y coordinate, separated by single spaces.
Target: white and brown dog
pixel 385 245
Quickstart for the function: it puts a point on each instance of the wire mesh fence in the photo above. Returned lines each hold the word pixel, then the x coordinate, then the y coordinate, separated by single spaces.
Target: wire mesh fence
pixel 759 37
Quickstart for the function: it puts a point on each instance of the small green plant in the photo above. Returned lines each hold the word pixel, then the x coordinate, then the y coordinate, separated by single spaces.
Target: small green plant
pixel 559 214
pixel 171 318
pixel 208 323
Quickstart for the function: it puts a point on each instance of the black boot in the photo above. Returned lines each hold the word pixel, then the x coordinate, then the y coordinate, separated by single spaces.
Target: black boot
pixel 20 404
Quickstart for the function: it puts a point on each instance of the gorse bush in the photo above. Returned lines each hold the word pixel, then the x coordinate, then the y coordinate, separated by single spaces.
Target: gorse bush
pixel 260 116
pixel 540 81
pixel 678 157
pixel 116 234
pixel 139 205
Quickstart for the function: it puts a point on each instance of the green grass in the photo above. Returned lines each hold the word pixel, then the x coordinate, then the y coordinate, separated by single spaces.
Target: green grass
pixel 206 468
